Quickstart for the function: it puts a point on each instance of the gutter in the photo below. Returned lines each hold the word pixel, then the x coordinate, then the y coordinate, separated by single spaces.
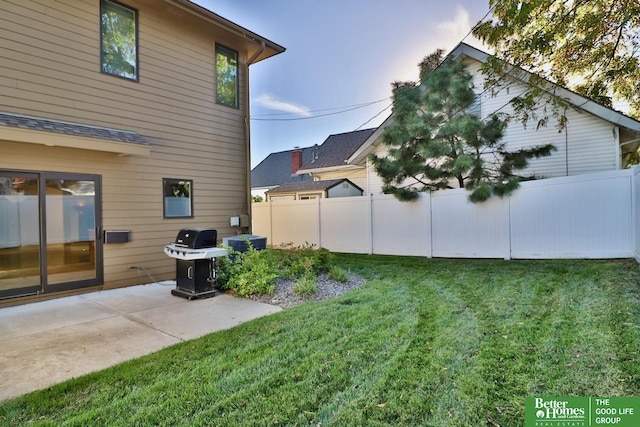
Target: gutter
pixel 329 169
pixel 247 136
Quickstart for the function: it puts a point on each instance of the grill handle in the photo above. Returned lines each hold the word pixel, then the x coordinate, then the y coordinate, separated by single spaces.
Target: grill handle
pixel 190 273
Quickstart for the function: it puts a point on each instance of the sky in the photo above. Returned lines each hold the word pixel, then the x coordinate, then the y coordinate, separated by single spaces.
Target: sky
pixel 342 57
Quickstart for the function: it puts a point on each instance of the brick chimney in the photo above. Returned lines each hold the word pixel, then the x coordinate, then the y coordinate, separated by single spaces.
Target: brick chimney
pixel 296 160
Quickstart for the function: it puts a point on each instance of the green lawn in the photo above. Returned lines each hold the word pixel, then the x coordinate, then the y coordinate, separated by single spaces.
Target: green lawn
pixel 425 342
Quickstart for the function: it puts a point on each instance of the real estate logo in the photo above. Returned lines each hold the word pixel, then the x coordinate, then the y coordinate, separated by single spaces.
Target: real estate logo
pixel 582 411
pixel 564 411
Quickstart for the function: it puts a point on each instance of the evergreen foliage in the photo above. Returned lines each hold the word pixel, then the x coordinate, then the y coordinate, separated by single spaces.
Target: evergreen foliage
pixel 436 140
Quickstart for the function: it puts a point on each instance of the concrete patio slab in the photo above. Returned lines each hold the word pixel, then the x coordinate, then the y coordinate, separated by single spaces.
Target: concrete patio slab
pixel 48 342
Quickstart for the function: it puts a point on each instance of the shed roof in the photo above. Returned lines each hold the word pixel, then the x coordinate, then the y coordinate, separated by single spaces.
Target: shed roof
pixel 310 186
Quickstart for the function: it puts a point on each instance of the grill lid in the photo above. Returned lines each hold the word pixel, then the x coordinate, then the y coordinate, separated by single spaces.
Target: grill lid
pixel 197 238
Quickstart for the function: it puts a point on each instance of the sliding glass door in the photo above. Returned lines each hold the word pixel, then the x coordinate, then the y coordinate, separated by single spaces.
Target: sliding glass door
pixel 48 232
pixel 19 234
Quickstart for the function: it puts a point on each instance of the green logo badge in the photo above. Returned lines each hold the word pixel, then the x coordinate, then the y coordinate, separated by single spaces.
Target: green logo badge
pixel 582 411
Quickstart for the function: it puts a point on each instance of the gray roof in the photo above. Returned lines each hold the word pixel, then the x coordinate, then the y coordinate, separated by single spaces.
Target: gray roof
pixel 275 169
pixel 336 149
pixel 68 128
pixel 310 186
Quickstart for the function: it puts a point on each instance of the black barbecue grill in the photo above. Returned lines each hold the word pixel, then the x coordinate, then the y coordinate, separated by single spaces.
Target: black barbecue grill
pixel 195 252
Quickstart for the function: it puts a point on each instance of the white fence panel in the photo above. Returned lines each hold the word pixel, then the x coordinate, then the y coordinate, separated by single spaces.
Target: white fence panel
pixel 401 228
pixel 582 216
pixel 294 222
pixel 636 210
pixel 461 229
pixel 346 224
pixel 586 216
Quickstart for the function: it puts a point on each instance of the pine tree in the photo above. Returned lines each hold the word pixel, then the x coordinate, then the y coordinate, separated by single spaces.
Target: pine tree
pixel 436 141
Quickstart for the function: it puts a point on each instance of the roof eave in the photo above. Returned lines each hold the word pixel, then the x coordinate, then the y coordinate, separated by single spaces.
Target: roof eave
pixel 576 100
pixel 360 155
pixel 52 139
pixel 346 166
pixel 271 48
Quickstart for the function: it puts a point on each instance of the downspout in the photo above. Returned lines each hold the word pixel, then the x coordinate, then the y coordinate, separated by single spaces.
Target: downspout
pixel 247 136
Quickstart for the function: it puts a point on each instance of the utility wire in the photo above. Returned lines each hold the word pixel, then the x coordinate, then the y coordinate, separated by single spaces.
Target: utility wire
pixel 316 116
pixel 366 104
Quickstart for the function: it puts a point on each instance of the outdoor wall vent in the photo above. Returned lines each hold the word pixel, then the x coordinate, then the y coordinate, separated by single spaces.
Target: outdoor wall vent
pixel 116 236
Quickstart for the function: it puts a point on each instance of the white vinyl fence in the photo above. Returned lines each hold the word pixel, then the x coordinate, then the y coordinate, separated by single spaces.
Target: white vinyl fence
pixel 584 216
pixel 636 211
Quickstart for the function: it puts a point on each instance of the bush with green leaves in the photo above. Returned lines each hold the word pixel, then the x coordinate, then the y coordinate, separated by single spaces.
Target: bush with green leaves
pixel 248 273
pixel 296 261
pixel 305 286
pixel 254 272
pixel 337 274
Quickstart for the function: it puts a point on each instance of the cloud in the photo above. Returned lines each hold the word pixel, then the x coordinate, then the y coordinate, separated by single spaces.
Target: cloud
pixel 269 101
pixel 453 31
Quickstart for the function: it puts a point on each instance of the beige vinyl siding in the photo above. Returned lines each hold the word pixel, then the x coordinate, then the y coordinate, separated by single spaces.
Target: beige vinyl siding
pixel 50 56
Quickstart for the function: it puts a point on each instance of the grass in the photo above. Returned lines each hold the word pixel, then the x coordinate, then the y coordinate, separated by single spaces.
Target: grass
pixel 425 342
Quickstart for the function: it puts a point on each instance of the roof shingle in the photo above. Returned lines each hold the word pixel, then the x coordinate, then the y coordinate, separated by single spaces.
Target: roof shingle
pixel 68 128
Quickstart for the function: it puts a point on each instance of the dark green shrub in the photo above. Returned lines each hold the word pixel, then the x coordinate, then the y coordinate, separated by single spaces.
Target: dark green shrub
pixel 250 273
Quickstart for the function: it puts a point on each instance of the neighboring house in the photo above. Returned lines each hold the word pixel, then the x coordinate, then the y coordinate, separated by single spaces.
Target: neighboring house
pixel 329 160
pixel 316 163
pixel 123 116
pixel 326 189
pixel 595 138
pixel 280 168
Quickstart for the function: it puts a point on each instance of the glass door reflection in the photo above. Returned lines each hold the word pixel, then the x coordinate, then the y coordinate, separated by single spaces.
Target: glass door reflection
pixel 19 234
pixel 70 229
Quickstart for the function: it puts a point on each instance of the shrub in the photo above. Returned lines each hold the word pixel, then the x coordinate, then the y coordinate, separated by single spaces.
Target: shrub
pixel 254 272
pixel 306 286
pixel 296 261
pixel 249 273
pixel 337 274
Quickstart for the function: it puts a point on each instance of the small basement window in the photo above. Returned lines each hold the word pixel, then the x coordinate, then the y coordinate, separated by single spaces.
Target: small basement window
pixel 226 76
pixel 177 200
pixel 118 40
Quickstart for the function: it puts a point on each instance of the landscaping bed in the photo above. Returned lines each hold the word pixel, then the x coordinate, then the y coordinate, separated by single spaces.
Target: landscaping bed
pixel 326 288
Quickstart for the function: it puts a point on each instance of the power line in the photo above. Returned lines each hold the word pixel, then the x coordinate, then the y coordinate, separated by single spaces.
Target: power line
pixel 348 107
pixel 380 112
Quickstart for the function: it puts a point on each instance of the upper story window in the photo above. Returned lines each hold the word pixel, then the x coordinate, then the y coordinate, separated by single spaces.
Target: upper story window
pixel 119 40
pixel 226 76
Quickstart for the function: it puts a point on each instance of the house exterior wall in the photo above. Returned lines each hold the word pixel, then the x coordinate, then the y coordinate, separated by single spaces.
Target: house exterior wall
pixel 587 144
pixel 50 68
